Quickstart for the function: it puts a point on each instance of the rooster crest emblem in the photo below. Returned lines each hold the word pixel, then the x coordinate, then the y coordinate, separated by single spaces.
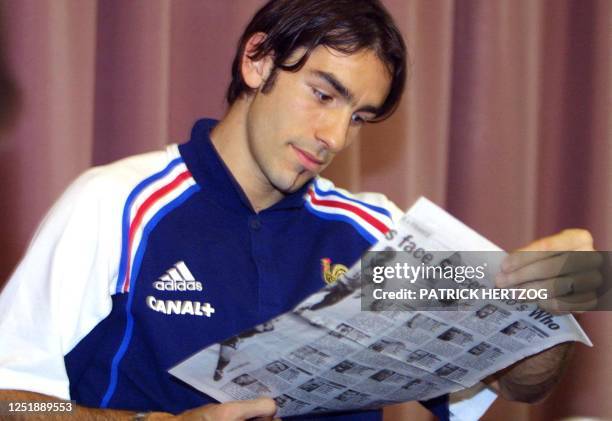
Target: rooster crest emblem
pixel 331 273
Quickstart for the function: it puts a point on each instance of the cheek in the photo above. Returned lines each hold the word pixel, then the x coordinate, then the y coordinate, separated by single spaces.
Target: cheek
pixel 295 119
pixel 299 108
pixel 282 114
pixel 297 99
pixel 353 135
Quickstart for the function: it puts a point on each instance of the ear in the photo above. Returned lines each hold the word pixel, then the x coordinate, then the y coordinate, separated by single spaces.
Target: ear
pixel 255 71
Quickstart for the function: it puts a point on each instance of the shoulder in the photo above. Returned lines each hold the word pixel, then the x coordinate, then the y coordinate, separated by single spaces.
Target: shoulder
pixel 98 202
pixel 375 203
pixel 126 174
pixel 372 214
pixel 139 176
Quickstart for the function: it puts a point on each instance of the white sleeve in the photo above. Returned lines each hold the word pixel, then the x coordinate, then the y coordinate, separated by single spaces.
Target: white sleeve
pixel 470 404
pixel 62 288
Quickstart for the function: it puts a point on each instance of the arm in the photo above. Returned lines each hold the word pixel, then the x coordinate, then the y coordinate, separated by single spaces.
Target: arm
pixel 532 379
pixel 60 291
pixel 571 281
pixel 231 411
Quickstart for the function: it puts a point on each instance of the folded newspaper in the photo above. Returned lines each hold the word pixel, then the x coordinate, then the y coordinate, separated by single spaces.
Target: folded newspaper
pixel 328 354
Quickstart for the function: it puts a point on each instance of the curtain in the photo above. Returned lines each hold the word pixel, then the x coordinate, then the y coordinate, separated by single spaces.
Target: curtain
pixel 505 121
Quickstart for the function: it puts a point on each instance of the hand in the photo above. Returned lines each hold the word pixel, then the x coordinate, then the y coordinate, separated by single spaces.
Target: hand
pixel 261 409
pixel 550 263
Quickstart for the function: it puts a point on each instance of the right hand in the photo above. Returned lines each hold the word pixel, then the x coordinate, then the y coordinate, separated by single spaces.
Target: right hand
pixel 261 408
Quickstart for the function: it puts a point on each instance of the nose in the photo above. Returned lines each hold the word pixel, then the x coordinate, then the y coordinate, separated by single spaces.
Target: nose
pixel 333 129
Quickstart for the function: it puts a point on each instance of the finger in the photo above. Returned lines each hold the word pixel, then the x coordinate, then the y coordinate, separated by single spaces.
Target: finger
pixel 552 267
pixel 574 283
pixel 588 281
pixel 580 261
pixel 522 258
pixel 585 248
pixel 567 240
pixel 243 410
pixel 571 303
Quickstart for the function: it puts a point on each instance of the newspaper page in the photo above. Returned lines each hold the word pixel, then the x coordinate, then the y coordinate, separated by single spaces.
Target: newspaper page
pixel 348 347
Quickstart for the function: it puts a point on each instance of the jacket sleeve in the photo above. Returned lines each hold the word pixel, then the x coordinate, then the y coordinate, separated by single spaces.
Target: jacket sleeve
pixel 61 289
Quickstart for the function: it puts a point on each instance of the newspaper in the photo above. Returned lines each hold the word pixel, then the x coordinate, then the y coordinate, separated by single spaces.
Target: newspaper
pixel 328 355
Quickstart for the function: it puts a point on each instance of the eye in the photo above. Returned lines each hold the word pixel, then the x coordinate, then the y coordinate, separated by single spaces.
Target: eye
pixel 357 119
pixel 322 97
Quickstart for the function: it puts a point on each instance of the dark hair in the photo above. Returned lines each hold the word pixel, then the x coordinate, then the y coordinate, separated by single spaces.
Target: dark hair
pixel 347 26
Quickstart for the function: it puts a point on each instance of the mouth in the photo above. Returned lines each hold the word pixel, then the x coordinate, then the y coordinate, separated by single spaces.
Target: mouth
pixel 307 160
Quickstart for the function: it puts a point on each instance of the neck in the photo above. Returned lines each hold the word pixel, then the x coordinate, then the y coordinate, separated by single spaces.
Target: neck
pixel 230 138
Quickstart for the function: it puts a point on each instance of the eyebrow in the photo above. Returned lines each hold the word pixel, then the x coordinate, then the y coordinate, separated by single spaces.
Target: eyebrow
pixel 343 91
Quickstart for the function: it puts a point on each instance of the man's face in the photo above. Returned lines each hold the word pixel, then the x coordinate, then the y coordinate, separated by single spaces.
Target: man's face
pixel 295 130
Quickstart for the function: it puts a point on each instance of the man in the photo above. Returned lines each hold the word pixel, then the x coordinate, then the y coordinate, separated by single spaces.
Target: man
pixel 234 223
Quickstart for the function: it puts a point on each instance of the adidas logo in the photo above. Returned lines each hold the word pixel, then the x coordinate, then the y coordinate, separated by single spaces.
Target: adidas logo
pixel 177 278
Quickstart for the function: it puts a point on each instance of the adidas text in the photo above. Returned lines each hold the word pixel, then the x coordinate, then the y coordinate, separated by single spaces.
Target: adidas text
pixel 181 285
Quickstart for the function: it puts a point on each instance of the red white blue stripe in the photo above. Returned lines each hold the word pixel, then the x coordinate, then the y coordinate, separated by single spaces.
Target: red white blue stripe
pixel 143 206
pixel 149 202
pixel 371 221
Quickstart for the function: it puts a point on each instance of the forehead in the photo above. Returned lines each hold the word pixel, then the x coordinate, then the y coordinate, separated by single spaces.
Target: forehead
pixel 362 72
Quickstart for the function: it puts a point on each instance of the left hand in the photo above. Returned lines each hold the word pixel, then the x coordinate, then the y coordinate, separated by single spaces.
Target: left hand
pixel 571 279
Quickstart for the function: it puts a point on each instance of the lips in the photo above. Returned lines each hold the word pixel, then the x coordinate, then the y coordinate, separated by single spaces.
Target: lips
pixel 308 161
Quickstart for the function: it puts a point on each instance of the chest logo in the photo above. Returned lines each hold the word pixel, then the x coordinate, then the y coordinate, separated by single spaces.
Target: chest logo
pixel 331 273
pixel 180 279
pixel 177 278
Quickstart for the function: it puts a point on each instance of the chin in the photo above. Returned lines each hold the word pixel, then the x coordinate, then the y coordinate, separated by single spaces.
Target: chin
pixel 289 189
pixel 288 186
